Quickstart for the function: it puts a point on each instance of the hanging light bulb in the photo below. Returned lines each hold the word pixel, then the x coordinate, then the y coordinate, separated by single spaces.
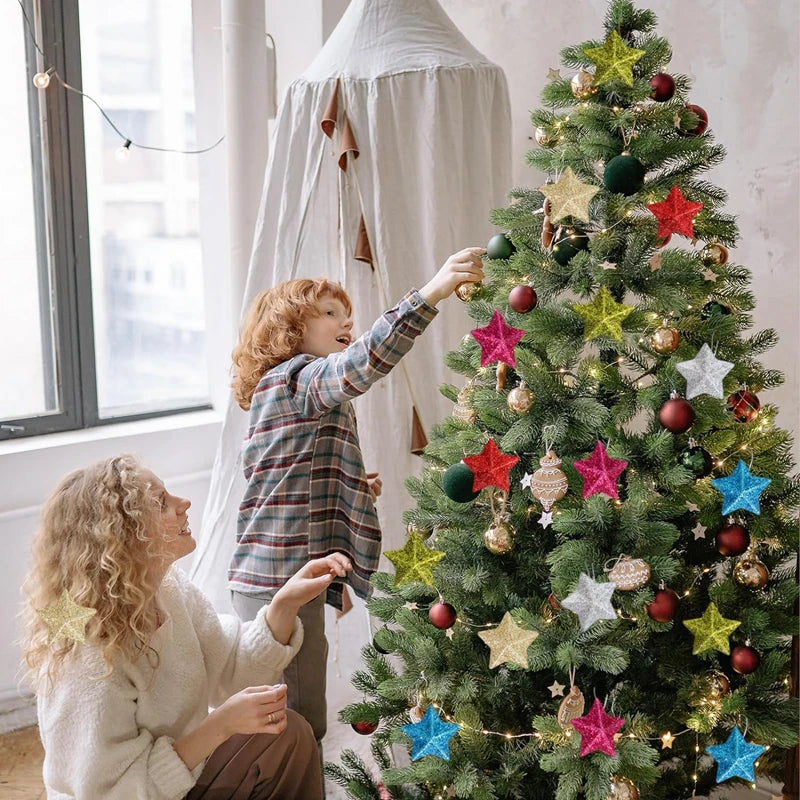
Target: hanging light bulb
pixel 123 151
pixel 41 80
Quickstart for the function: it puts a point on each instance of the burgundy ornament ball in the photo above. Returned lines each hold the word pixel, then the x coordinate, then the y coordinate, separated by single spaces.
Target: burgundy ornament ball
pixel 745 659
pixel 702 123
pixel 522 299
pixel 664 606
pixel 551 599
pixel 744 405
pixel 732 540
pixel 442 615
pixel 677 414
pixel 364 728
pixel 663 87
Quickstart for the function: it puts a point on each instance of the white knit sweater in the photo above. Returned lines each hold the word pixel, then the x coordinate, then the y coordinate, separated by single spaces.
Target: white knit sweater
pixel 111 739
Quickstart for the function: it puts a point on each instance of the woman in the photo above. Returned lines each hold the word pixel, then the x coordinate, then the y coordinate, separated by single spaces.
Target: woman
pixel 127 656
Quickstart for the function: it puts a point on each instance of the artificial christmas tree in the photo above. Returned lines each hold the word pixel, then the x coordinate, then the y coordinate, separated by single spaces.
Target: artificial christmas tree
pixel 583 560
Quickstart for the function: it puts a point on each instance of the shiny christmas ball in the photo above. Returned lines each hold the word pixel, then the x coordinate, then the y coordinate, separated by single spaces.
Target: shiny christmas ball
pixel 522 299
pixel 500 247
pixel 364 728
pixel 581 85
pixel 664 606
pixel 624 174
pixel 549 484
pixel 467 291
pixel 622 789
pixel 663 87
pixel 697 460
pixel 543 138
pixel 520 399
pixel 376 641
pixel 702 122
pixel 677 414
pixel 732 540
pixel 713 308
pixel 442 616
pixel 718 683
pixel 568 245
pixel 664 340
pixel 715 253
pixel 751 573
pixel 745 659
pixel 744 405
pixel 499 538
pixel 457 483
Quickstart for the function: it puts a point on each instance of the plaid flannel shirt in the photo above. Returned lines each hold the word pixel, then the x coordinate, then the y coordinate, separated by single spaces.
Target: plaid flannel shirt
pixel 307 494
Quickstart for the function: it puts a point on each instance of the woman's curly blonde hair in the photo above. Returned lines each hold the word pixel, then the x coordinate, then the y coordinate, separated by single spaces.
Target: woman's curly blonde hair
pixel 95 542
pixel 274 327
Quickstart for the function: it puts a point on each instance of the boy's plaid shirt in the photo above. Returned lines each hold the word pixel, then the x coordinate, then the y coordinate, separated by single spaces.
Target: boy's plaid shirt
pixel 307 493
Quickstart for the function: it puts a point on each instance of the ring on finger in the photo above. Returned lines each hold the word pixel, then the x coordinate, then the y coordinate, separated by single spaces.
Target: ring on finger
pixel 270 718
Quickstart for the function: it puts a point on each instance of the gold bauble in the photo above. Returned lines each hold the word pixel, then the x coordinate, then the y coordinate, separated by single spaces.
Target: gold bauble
pixel 543 138
pixel 664 340
pixel 499 538
pixel 520 399
pixel 751 573
pixel 570 708
pixel 466 291
pixel 622 789
pixel 718 683
pixel 549 484
pixel 462 410
pixel 581 85
pixel 715 253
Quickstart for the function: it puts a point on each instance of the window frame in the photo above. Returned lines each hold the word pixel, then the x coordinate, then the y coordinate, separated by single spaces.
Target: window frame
pixel 62 232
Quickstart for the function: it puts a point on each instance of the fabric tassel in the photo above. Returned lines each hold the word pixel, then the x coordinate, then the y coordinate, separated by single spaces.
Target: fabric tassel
pixel 419 440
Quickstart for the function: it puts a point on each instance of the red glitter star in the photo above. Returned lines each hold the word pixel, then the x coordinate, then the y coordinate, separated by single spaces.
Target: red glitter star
pixel 675 214
pixel 597 730
pixel 600 472
pixel 491 467
pixel 497 341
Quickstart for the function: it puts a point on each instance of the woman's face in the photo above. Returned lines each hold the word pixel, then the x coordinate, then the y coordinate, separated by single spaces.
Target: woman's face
pixel 175 540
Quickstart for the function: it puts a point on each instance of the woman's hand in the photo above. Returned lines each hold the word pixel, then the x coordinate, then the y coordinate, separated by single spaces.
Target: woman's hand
pixel 257 709
pixel 375 485
pixel 465 266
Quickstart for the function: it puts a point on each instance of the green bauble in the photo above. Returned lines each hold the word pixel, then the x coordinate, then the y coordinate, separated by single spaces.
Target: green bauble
pixel 500 247
pixel 697 460
pixel 457 483
pixel 569 245
pixel 624 175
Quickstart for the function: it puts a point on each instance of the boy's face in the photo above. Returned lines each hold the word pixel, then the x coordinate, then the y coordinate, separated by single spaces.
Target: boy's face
pixel 329 331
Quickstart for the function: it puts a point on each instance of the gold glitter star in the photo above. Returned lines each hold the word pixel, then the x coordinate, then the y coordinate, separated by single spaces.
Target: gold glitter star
pixel 553 74
pixel 66 619
pixel 711 631
pixel 614 60
pixel 415 562
pixel 508 643
pixel 603 316
pixel 569 197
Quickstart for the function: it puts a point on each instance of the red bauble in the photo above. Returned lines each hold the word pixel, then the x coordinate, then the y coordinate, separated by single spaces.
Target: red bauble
pixel 664 606
pixel 677 414
pixel 744 405
pixel 663 87
pixel 364 728
pixel 745 659
pixel 522 299
pixel 732 540
pixel 551 599
pixel 442 615
pixel 702 123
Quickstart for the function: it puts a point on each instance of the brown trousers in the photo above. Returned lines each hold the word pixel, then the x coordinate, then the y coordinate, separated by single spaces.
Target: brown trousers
pixel 264 766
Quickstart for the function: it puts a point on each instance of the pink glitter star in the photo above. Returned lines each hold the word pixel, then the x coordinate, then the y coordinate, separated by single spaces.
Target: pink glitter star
pixel 600 472
pixel 497 341
pixel 597 730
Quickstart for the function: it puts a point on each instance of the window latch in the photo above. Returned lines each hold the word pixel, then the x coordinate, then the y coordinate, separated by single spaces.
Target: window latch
pixel 12 428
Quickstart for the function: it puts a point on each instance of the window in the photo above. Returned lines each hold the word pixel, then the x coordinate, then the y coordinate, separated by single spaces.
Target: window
pixel 103 311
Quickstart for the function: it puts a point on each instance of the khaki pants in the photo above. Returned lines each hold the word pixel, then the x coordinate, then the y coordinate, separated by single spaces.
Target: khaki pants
pixel 263 766
pixel 306 675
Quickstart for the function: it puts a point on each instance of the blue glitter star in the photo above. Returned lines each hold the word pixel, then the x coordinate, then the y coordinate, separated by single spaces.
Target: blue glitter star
pixel 735 758
pixel 741 489
pixel 430 736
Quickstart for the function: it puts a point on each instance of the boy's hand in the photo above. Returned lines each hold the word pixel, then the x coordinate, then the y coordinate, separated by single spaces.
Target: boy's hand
pixel 375 485
pixel 311 580
pixel 465 266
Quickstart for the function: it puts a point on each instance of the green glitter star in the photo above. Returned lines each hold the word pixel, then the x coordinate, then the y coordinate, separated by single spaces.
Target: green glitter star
pixel 711 631
pixel 415 562
pixel 603 315
pixel 614 60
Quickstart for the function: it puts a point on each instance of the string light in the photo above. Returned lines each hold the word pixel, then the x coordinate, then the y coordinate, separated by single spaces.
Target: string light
pixel 41 80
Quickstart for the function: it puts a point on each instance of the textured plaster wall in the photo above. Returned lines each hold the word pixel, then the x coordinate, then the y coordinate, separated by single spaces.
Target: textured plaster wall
pixel 742 58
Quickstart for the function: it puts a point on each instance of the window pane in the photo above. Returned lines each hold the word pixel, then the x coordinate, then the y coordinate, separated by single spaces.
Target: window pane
pixel 26 349
pixel 147 282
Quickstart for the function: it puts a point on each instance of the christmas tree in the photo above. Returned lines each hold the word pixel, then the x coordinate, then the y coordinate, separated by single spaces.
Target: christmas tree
pixel 594 599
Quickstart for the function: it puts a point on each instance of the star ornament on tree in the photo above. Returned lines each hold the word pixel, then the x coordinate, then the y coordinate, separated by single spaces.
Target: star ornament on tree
pixel 735 758
pixel 66 619
pixel 415 562
pixel 675 214
pixel 430 736
pixel 597 729
pixel 704 373
pixel 741 490
pixel 603 316
pixel 508 643
pixel 711 631
pixel 600 472
pixel 569 197
pixel 614 60
pixel 497 341
pixel 591 601
pixel 491 467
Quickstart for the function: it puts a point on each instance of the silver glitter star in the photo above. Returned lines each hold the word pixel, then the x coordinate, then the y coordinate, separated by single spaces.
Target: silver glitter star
pixel 699 531
pixel 704 373
pixel 591 601
pixel 556 689
pixel 546 520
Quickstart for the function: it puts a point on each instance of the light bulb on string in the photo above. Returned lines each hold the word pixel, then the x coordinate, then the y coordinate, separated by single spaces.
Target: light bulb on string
pixel 123 151
pixel 41 80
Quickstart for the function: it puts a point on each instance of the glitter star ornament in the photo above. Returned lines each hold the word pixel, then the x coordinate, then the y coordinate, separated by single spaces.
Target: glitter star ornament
pixel 490 467
pixel 711 631
pixel 603 316
pixel 546 520
pixel 597 729
pixel 569 197
pixel 430 736
pixel 591 601
pixel 508 643
pixel 614 60
pixel 735 758
pixel 704 373
pixel 497 341
pixel 600 472
pixel 66 619
pixel 415 562
pixel 675 214
pixel 741 490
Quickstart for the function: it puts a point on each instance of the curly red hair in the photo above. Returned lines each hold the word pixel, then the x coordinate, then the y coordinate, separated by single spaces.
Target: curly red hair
pixel 274 328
